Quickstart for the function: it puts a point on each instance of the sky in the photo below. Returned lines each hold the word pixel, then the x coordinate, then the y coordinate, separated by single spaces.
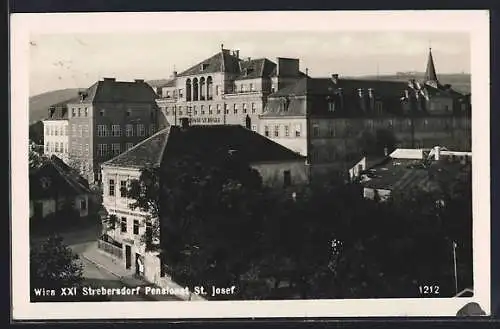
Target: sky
pixel 76 60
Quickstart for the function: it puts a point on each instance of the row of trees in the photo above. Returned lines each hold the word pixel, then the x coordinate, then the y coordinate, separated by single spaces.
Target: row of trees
pixel 220 225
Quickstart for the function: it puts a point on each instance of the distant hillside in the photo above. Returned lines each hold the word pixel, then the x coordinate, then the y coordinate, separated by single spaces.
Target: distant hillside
pixel 39 104
pixel 459 81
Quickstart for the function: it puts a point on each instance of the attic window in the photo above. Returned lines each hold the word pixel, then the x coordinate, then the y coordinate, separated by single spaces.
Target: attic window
pixel 101 112
pixel 204 67
pixel 45 182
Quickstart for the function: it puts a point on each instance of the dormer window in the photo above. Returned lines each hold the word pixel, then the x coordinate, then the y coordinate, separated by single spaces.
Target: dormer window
pixel 248 70
pixel 331 106
pixel 204 66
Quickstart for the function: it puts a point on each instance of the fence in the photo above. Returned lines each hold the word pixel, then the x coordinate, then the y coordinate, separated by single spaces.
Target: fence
pixel 110 248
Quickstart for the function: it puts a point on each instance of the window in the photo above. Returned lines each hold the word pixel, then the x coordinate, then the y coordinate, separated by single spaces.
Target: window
pixel 245 108
pixel 79 112
pixel 202 110
pixel 47 146
pixel 115 148
pixel 235 106
pixel 66 147
pixel 210 109
pixel 181 93
pixel 315 130
pixel 151 129
pixel 128 146
pixel 56 131
pixel 47 131
pixel 218 108
pixel 254 127
pixel 226 110
pixel 111 187
pixel 216 90
pixel 140 129
pixel 123 188
pixel 287 131
pixel 331 106
pixel 266 131
pixel 129 130
pixel 123 224
pixel 242 88
pixel 73 112
pixel 128 113
pixel 251 87
pixel 87 149
pixel 287 178
pixel 297 130
pixel 101 112
pixel 136 227
pixel 86 111
pixel 331 130
pixel 115 131
pixel 276 131
pixel 52 148
pixel 378 107
pixel 253 107
pixel 56 148
pixel 101 130
pixel 102 149
pixel 83 204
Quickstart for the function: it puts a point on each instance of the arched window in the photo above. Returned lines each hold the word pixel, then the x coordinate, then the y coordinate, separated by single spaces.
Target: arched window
pixel 202 89
pixel 209 88
pixel 195 89
pixel 188 90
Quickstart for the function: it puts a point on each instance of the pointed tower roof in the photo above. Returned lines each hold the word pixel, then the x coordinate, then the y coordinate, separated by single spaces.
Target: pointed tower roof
pixel 430 72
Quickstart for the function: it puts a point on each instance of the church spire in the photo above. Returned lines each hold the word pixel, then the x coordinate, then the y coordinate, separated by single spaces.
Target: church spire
pixel 430 72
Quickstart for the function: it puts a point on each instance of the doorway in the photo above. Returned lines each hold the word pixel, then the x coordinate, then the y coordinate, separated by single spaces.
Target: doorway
pixel 128 257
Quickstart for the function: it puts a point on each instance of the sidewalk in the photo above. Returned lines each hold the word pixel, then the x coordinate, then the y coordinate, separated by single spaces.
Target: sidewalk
pixel 127 277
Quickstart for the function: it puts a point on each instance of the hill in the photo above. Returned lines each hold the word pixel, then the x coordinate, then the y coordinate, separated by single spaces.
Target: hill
pixel 39 104
pixel 459 81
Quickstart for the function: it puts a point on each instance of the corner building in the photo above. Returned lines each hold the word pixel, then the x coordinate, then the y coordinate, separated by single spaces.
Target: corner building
pixel 225 89
pixel 107 119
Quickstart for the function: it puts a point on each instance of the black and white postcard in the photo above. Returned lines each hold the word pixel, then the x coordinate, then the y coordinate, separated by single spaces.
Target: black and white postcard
pixel 250 164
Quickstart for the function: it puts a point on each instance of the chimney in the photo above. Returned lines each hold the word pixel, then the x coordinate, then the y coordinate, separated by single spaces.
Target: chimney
pixel 184 123
pixel 335 78
pixel 370 92
pixel 437 153
pixel 109 79
pixel 237 54
pixel 360 92
pixel 139 80
pixel 386 151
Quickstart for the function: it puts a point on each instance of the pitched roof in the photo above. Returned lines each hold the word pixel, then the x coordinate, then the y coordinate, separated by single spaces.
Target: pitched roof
pixel 50 180
pixel 222 61
pixel 174 142
pixel 146 153
pixel 256 68
pixel 112 91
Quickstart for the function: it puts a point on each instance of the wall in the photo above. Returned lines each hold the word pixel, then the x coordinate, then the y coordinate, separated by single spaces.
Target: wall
pixel 272 173
pixel 369 193
pixel 51 128
pixel 296 144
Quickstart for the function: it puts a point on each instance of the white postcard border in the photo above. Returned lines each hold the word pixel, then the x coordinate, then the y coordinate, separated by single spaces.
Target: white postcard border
pixel 22 25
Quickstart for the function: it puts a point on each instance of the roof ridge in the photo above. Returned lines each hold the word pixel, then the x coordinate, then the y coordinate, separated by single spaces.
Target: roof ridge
pixel 164 144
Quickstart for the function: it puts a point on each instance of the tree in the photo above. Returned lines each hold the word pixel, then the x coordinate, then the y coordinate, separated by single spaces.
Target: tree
pixel 53 265
pixel 36 160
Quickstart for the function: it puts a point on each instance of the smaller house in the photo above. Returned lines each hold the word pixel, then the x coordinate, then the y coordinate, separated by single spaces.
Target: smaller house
pixel 405 169
pixel 55 189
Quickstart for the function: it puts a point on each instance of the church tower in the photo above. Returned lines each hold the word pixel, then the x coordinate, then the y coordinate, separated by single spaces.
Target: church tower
pixel 430 77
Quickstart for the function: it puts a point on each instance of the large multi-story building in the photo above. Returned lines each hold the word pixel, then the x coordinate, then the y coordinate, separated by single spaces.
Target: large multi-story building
pixel 55 128
pixel 105 120
pixel 225 89
pixel 333 120
pixel 278 166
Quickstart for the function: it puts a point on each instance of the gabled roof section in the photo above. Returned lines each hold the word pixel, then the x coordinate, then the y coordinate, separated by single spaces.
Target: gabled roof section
pixel 146 153
pixel 52 180
pixel 256 68
pixel 112 91
pixel 222 61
